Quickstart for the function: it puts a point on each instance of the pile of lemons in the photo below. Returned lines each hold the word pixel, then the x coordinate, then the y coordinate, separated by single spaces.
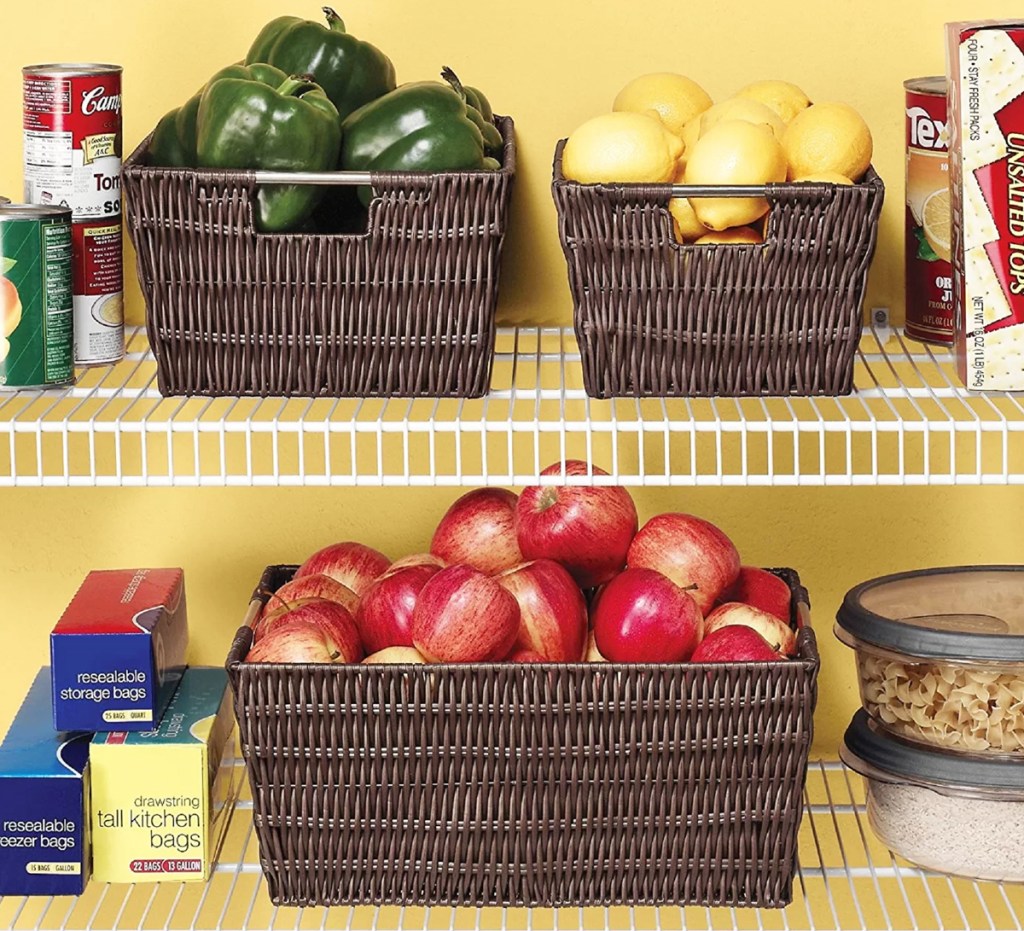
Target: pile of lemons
pixel 665 128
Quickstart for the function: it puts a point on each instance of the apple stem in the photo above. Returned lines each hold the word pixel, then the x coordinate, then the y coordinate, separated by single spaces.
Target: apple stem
pixel 548 498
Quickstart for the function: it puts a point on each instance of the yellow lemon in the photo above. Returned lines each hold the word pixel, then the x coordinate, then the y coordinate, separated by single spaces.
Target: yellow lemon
pixel 825 177
pixel 739 235
pixel 786 99
pixel 675 97
pixel 621 147
pixel 734 152
pixel 690 135
pixel 687 226
pixel 740 108
pixel 828 137
pixel 936 220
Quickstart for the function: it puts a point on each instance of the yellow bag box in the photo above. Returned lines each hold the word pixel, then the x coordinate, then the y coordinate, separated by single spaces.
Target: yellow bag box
pixel 161 799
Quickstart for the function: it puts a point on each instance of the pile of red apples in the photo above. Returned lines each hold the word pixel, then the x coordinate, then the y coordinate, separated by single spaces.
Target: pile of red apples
pixel 558 574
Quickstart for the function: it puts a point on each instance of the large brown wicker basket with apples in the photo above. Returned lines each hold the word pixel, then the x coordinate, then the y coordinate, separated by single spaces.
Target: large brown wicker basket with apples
pixel 527 784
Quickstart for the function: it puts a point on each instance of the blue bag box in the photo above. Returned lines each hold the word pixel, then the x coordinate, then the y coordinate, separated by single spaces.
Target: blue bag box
pixel 44 798
pixel 118 651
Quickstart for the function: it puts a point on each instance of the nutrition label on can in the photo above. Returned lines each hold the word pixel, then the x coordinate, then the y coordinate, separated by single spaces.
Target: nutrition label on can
pixel 58 318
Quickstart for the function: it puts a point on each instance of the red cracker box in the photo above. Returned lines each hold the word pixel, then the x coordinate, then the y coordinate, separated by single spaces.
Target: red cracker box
pixel 986 121
pixel 118 653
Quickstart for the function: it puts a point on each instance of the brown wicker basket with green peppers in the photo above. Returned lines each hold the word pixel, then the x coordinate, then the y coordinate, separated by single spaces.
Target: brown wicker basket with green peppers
pixel 313 98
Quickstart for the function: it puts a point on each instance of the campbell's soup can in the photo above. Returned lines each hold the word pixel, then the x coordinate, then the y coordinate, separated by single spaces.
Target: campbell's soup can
pixel 72 154
pixel 36 325
pixel 929 274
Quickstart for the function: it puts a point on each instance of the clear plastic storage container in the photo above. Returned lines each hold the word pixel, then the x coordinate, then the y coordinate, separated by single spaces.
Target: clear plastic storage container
pixel 942 811
pixel 940 656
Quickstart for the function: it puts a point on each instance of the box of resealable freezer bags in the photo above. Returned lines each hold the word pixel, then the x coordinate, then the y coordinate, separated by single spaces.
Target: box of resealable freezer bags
pixel 44 795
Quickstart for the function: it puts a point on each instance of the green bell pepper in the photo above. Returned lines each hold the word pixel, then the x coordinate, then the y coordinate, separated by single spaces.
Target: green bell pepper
pixel 476 99
pixel 351 72
pixel 480 112
pixel 424 126
pixel 174 139
pixel 248 123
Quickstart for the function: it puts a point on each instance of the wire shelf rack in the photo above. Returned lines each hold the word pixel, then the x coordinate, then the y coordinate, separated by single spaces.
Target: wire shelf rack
pixel 908 422
pixel 846 879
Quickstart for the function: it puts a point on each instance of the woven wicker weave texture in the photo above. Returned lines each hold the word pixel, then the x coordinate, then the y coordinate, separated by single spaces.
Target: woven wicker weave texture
pixel 405 309
pixel 658 319
pixel 519 784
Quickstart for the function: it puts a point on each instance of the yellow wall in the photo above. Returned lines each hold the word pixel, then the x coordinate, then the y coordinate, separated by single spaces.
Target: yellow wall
pixel 551 64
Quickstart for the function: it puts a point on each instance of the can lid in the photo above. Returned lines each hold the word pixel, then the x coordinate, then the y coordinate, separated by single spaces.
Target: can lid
pixel 934 85
pixel 866 746
pixel 962 613
pixel 71 69
pixel 29 211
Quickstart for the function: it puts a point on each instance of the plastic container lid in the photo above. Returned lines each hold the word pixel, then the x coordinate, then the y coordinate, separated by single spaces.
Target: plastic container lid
pixel 866 742
pixel 968 613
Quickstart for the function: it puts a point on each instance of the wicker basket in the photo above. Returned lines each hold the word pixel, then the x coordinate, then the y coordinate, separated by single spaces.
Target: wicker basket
pixel 527 785
pixel 658 319
pixel 406 308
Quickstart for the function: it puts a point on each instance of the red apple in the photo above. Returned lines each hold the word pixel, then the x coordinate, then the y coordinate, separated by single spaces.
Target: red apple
pixel 479 530
pixel 763 590
pixel 593 654
pixel 527 656
pixel 352 564
pixel 552 610
pixel 780 636
pixel 417 559
pixel 464 616
pixel 398 656
pixel 735 644
pixel 296 642
pixel 299 591
pixel 384 617
pixel 692 552
pixel 587 529
pixel 333 619
pixel 643 617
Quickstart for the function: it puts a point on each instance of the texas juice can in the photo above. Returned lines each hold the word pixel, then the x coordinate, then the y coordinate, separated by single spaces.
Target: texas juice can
pixel 36 321
pixel 929 274
pixel 72 148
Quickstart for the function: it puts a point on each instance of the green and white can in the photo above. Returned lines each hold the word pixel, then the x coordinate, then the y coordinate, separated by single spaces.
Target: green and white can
pixel 36 306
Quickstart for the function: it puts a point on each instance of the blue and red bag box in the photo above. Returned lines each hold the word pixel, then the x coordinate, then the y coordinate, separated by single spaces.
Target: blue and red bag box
pixel 118 653
pixel 44 794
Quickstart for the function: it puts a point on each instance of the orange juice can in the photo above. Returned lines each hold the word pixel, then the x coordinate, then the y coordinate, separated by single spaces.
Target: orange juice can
pixel 929 274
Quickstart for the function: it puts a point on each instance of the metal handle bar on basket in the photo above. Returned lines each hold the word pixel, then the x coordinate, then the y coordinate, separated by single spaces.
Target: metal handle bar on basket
pixel 331 178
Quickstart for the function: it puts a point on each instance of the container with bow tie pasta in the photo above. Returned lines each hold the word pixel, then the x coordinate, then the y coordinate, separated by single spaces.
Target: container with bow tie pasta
pixel 940 656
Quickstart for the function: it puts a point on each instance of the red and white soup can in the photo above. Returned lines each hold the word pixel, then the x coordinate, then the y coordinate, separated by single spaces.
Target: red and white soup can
pixel 72 154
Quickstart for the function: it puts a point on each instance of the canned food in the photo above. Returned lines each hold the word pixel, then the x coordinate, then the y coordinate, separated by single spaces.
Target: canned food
pixel 36 317
pixel 99 296
pixel 929 274
pixel 73 146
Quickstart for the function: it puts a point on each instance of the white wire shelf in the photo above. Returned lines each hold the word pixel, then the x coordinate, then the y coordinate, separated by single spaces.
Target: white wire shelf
pixel 908 422
pixel 846 879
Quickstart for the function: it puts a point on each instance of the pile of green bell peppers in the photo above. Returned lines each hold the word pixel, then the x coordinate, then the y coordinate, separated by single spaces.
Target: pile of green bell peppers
pixel 313 98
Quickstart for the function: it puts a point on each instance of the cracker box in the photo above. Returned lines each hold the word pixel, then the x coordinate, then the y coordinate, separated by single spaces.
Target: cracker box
pixel 118 652
pixel 161 799
pixel 986 121
pixel 44 797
